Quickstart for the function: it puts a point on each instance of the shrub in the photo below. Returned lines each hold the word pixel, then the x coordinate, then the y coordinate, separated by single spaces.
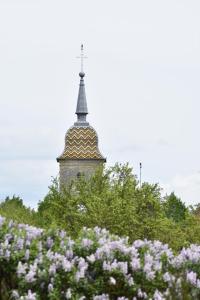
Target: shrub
pixel 36 264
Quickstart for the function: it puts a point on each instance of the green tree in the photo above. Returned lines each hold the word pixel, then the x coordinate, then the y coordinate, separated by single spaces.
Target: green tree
pixel 174 208
pixel 112 198
pixel 13 208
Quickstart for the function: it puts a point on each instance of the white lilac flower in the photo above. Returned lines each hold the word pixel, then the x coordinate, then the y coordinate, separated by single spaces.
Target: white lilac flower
pixel 192 277
pixel 157 266
pixel 140 293
pixel 66 264
pixel 138 243
pixel 70 243
pixel 2 220
pixel 30 276
pixel 11 224
pixel 5 244
pixel 167 277
pixel 21 269
pixel 30 296
pixel 86 243
pixel 7 254
pixel 150 275
pixel 62 244
pixel 69 254
pixel 20 243
pixel 112 280
pixel 135 264
pixel 50 287
pixel 130 281
pixel 15 294
pixel 52 269
pixel 101 297
pixel 148 259
pixel 198 283
pixel 27 243
pixel 49 242
pixel 68 294
pixel 82 264
pixel 123 266
pixel 39 246
pixel 79 274
pixel 115 265
pixel 158 296
pixel 50 255
pixel 27 254
pixel 9 237
pixel 62 234
pixel 91 258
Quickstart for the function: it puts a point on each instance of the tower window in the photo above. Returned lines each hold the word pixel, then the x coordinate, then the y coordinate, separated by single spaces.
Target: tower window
pixel 78 175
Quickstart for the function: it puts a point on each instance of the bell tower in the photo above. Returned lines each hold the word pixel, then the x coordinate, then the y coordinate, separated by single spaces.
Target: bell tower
pixel 81 154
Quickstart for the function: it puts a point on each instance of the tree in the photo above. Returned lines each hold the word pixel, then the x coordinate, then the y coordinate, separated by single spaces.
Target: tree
pixel 13 208
pixel 174 208
pixel 112 198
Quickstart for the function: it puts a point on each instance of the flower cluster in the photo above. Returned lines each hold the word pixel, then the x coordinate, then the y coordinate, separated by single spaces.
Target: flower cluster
pixel 36 265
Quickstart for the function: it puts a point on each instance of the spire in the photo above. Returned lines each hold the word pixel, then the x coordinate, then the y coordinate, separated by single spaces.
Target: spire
pixel 81 108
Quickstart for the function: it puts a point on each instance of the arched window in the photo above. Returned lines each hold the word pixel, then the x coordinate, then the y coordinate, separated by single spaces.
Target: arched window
pixel 78 175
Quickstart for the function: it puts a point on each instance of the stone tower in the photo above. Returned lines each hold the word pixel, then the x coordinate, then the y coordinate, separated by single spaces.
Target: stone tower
pixel 81 154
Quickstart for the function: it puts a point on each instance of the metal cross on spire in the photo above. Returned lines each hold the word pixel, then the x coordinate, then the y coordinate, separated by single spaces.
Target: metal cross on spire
pixel 82 57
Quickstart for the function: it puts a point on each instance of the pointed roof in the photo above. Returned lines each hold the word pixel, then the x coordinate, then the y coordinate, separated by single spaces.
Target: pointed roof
pixel 81 108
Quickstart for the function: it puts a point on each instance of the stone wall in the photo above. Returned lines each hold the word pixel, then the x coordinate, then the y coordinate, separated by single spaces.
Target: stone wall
pixel 70 169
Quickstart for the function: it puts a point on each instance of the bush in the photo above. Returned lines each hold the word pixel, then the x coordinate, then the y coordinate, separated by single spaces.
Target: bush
pixel 39 264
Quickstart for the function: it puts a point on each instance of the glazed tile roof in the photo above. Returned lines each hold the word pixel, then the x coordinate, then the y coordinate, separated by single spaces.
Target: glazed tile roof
pixel 81 142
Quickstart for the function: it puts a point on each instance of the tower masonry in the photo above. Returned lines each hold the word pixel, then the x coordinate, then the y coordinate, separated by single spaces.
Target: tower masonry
pixel 81 154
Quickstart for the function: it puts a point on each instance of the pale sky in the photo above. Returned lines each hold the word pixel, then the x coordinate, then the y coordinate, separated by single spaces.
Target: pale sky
pixel 142 86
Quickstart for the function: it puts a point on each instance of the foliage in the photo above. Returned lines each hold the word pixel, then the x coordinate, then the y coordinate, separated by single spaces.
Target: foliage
pixel 13 208
pixel 174 208
pixel 36 264
pixel 113 199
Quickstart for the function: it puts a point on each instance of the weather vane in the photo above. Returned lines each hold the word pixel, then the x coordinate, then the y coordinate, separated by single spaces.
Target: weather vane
pixel 82 57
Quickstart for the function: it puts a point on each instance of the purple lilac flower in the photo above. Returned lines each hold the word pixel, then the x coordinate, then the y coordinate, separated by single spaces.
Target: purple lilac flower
pixel 192 278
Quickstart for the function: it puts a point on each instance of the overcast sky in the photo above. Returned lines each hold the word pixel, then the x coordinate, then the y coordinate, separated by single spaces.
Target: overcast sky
pixel 142 85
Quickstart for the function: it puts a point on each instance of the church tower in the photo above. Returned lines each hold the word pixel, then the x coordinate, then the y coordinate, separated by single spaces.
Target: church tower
pixel 81 154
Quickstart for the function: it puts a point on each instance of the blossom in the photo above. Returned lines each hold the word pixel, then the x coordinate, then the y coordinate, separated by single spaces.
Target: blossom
pixel 112 280
pixel 27 254
pixel 15 294
pixel 191 277
pixel 167 277
pixel 21 268
pixel 54 262
pixel 68 294
pixel 101 297
pixel 52 269
pixel 158 296
pixel 66 264
pixel 91 258
pixel 2 219
pixel 30 296
pixel 86 243
pixel 135 264
pixel 50 287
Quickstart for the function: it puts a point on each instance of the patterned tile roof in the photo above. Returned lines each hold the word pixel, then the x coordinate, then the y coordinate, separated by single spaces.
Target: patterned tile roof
pixel 81 143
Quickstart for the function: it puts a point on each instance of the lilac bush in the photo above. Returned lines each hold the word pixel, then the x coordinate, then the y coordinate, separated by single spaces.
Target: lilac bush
pixel 36 265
